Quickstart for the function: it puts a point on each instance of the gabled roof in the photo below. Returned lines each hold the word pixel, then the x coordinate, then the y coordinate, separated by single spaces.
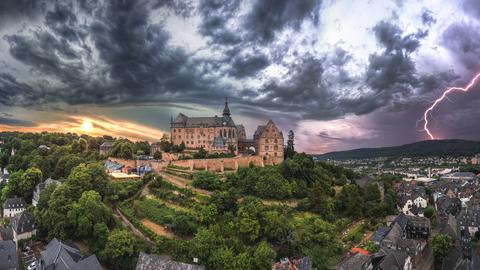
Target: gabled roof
pixel 107 144
pixel 11 203
pixel 6 234
pixel 393 260
pixel 58 255
pixel 8 255
pixel 23 222
pixel 157 262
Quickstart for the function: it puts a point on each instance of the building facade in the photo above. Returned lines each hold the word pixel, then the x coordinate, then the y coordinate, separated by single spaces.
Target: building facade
pixel 220 134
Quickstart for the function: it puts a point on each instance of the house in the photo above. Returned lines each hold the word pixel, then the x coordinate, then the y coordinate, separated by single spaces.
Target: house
pixel 357 261
pixel 154 262
pixel 461 176
pixel 24 226
pixel 113 167
pixel 155 147
pixel 469 219
pixel 380 234
pixel 13 206
pixel 418 227
pixel 42 186
pixel 105 148
pixel 58 255
pixel 8 256
pixel 297 264
pixel 5 176
pixel 387 259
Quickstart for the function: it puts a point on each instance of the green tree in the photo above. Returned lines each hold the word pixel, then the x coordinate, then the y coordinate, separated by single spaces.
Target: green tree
pixel 264 256
pixel 349 201
pixel 222 259
pixel 428 212
pixel 30 179
pixel 87 212
pixel 87 177
pixel 99 238
pixel 157 155
pixel 441 245
pixel 206 180
pixel 290 149
pixel 120 249
pixel 372 193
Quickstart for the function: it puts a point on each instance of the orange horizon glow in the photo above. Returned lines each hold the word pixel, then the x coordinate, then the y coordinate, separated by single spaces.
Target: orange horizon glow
pixel 94 126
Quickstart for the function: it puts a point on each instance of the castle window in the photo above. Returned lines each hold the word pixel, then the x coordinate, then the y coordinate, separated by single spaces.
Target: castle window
pixel 266 147
pixel 276 141
pixel 266 140
pixel 229 133
pixel 275 147
pixel 275 154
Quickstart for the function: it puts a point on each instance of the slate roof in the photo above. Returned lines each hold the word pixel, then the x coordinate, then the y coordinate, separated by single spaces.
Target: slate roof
pixel 380 234
pixel 12 203
pixel 192 122
pixel 23 222
pixel 40 187
pixel 58 255
pixel 354 262
pixel 107 144
pixel 8 255
pixel 6 234
pixel 393 260
pixel 157 262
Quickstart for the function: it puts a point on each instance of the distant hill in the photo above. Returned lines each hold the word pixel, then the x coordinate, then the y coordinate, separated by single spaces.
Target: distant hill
pixel 418 149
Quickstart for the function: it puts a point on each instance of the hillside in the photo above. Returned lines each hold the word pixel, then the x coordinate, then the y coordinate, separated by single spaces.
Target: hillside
pixel 423 148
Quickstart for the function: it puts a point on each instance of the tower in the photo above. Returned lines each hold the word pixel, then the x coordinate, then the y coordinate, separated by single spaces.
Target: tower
pixel 226 110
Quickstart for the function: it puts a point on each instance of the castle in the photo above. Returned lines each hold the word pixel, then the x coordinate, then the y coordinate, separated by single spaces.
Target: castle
pixel 221 135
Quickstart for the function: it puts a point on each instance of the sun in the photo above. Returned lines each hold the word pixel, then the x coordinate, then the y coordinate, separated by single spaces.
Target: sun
pixel 87 125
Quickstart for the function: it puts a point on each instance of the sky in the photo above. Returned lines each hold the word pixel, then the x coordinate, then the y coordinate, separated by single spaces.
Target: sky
pixel 341 74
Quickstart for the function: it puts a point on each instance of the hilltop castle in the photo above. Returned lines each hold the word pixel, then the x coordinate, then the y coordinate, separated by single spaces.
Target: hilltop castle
pixel 220 134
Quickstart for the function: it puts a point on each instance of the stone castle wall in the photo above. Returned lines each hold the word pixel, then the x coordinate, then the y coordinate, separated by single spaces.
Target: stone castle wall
pixel 215 165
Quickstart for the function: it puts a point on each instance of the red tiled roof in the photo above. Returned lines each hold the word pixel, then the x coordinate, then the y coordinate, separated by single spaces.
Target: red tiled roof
pixel 359 250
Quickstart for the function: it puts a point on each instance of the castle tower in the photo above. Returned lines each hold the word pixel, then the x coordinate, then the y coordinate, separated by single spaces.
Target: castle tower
pixel 226 110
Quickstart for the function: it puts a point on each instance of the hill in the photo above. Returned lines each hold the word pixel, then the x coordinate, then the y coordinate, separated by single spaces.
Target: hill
pixel 418 149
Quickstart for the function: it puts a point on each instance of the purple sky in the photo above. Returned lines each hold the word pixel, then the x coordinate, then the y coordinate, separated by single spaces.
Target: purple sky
pixel 342 74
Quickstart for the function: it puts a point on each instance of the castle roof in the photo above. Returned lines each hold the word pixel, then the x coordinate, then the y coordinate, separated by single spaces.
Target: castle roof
pixel 192 122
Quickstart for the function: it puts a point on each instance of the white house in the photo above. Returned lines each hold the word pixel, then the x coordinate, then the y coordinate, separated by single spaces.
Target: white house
pixel 24 226
pixel 419 201
pixel 13 206
pixel 40 187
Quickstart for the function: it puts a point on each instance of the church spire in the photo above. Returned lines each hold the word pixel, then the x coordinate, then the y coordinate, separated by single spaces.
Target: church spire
pixel 226 110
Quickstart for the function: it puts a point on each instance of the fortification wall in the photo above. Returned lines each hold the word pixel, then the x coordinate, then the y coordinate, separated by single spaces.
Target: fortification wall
pixel 215 165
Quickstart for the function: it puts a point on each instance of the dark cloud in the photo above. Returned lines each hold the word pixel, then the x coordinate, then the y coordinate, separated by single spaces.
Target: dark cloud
pixel 269 16
pixel 243 66
pixel 9 120
pixel 472 7
pixel 427 17
pixel 16 10
pixel 135 62
pixel 463 42
pixel 216 15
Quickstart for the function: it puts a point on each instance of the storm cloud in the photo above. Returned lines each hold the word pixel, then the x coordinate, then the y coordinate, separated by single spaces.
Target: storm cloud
pixel 293 60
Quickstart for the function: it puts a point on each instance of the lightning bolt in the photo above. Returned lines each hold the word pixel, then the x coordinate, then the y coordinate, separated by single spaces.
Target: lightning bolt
pixel 441 98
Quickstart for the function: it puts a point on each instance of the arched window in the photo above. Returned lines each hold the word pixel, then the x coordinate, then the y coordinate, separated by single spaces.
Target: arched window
pixel 224 133
pixel 229 133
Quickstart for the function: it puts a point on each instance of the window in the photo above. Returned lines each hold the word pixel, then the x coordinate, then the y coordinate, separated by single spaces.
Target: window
pixel 275 154
pixel 266 147
pixel 266 140
pixel 275 147
pixel 276 141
